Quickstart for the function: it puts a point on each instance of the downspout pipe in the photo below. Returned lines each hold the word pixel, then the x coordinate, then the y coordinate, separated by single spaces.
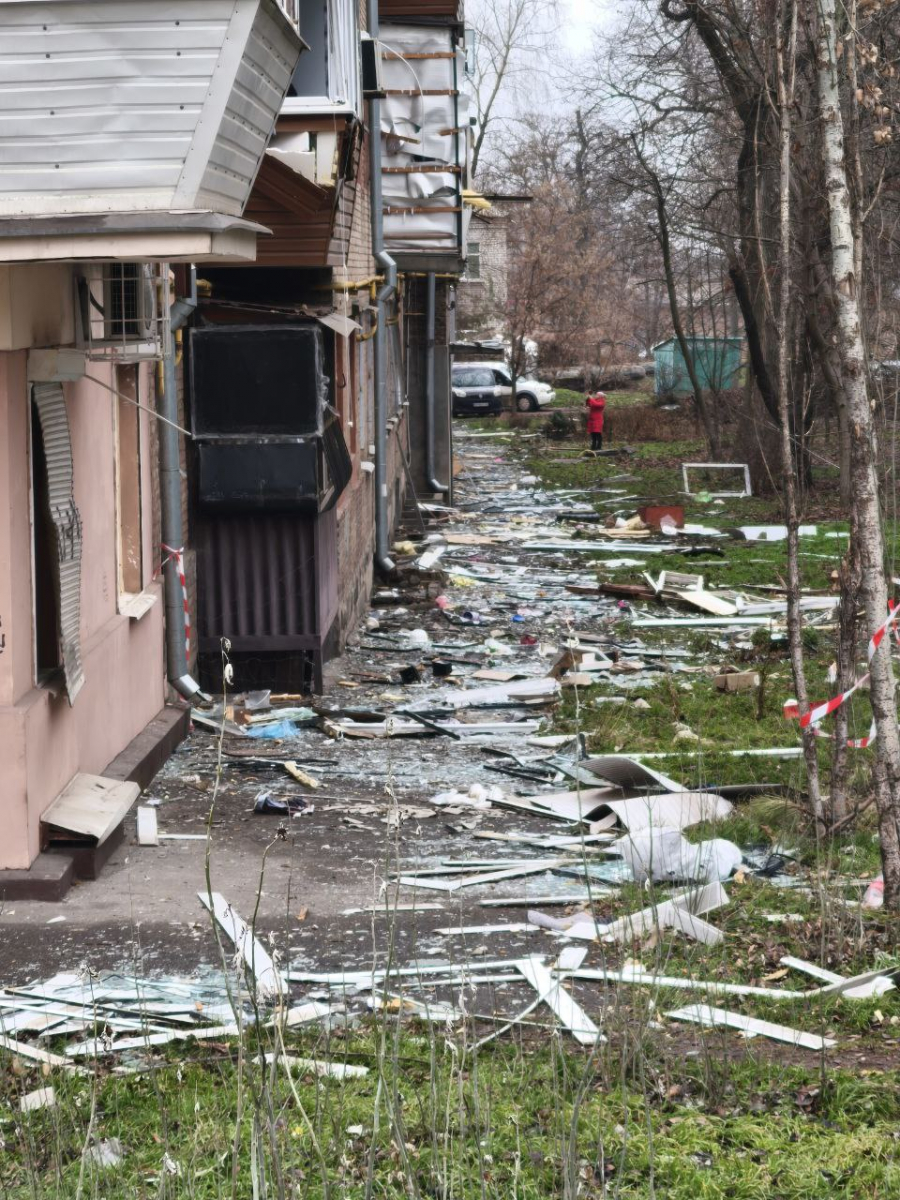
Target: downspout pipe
pixel 430 423
pixel 387 290
pixel 170 499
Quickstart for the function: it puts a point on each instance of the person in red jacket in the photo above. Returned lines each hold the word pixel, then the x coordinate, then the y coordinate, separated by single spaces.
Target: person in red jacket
pixel 596 403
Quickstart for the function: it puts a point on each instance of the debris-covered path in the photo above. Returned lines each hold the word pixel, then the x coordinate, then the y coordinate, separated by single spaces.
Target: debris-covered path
pixel 439 807
pixel 508 614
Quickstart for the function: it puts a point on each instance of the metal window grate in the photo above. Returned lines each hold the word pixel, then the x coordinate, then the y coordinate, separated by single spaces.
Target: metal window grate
pixel 121 318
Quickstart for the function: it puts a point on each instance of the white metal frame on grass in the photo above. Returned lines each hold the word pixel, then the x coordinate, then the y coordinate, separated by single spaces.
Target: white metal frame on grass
pixel 748 489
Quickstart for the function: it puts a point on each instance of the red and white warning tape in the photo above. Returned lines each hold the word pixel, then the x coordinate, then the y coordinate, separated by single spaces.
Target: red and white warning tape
pixel 810 720
pixel 177 557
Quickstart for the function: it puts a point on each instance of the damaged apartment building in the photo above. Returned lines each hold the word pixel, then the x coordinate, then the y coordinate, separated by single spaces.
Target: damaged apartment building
pixel 224 312
pixel 317 378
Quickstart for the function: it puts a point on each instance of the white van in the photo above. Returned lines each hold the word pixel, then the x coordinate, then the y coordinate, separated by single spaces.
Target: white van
pixel 531 394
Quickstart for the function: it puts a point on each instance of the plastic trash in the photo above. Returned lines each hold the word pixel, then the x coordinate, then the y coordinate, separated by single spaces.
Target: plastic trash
pixel 272 730
pixel 716 859
pixel 418 637
pixel 665 855
pixel 874 897
pixel 267 804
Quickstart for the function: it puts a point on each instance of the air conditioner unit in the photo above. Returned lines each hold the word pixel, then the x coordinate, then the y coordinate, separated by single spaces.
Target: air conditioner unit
pixel 119 314
pixel 370 60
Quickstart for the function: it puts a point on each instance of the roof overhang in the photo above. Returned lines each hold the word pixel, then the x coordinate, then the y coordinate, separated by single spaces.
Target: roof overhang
pixel 129 237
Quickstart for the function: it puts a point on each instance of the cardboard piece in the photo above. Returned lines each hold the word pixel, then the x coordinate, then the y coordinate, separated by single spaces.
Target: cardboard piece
pixel 737 681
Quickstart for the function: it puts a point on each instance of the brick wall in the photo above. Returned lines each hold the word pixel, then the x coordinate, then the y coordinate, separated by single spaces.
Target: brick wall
pixel 482 302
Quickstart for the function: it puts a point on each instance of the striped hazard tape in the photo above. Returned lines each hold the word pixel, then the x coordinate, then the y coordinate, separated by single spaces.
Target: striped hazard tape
pixel 177 557
pixel 811 719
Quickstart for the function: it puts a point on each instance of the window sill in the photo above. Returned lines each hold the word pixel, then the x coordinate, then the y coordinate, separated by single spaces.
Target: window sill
pixel 135 605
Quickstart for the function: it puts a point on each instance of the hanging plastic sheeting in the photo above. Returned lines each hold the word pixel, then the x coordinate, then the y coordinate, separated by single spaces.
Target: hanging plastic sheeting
pixel 54 423
pixel 424 121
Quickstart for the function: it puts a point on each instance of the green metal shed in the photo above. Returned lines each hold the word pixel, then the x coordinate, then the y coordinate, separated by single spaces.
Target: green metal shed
pixel 717 361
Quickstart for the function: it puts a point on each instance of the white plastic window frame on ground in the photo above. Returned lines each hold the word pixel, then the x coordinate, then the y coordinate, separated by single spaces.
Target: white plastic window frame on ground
pixel 748 488
pixel 344 79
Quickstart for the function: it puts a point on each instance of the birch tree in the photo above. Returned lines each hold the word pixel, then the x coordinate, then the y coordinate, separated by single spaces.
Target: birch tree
pixel 866 524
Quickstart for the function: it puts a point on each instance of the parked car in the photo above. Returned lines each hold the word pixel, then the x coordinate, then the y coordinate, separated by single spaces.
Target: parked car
pixel 531 394
pixel 476 392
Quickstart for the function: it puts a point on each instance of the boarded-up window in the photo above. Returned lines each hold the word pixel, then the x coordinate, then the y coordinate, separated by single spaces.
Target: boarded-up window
pixel 65 523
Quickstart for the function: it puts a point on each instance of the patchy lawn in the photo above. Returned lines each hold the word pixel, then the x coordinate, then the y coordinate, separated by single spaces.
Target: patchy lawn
pixel 531 1118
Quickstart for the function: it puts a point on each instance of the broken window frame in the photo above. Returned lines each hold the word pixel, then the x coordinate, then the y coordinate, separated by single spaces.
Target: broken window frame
pixel 342 62
pixel 705 466
pixel 129 509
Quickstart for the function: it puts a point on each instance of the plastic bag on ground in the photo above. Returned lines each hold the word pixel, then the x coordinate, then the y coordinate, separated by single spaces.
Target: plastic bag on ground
pixel 874 897
pixel 665 855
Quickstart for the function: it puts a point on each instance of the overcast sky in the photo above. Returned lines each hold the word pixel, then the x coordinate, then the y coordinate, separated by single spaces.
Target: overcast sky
pixel 581 18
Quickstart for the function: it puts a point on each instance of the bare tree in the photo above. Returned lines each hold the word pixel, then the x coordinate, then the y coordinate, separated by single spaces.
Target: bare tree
pixel 510 35
pixel 786 64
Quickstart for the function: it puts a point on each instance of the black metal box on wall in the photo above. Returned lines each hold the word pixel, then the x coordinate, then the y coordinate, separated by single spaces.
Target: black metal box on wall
pixel 268 462
pixel 265 434
pixel 252 381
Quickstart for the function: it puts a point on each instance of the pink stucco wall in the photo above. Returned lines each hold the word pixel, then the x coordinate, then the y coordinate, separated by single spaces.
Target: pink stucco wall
pixel 44 741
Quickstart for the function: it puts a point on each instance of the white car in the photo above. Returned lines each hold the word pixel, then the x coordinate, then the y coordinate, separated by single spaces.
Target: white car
pixel 531 394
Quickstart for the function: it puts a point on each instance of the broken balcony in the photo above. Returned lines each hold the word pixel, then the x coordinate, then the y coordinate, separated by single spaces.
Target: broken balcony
pixel 135 131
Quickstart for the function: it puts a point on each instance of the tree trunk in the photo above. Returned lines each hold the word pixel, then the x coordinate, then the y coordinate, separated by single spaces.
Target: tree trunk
pixel 786 71
pixel 846 672
pixel 870 539
pixel 710 427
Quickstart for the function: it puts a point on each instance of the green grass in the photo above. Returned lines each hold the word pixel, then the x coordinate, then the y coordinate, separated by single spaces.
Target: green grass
pixel 567 398
pixel 527 1121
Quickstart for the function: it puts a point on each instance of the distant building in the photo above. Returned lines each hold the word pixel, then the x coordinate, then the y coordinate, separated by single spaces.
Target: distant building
pixel 484 288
